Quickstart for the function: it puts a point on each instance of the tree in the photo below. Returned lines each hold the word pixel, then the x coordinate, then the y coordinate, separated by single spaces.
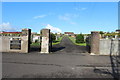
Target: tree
pixel 80 38
pixel 101 32
pixel 36 41
pixel 53 37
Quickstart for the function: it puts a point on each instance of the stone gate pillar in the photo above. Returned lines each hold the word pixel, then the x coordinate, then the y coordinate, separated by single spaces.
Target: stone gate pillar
pixel 95 41
pixel 45 42
pixel 26 40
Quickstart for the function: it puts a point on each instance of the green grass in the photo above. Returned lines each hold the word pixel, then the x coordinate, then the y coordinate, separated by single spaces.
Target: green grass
pixel 35 44
pixel 57 41
pixel 81 44
pixel 53 43
pixel 73 40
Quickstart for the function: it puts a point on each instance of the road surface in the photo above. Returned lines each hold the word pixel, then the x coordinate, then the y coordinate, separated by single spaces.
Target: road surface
pixel 66 61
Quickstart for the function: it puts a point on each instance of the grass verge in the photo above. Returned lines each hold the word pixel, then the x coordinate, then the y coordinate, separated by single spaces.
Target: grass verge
pixel 73 40
pixel 35 44
pixel 57 41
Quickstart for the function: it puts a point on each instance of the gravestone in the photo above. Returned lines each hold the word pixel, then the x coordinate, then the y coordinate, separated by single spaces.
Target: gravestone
pixel 46 41
pixel 95 41
pixel 107 37
pixel 116 36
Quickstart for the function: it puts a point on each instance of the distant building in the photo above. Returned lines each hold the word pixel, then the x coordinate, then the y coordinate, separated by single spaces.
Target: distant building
pixel 69 34
pixel 35 37
pixel 58 35
pixel 118 31
pixel 10 32
pixel 3 33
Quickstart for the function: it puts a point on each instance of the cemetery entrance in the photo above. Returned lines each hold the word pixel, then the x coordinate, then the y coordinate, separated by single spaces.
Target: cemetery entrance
pixel 43 44
pixel 68 47
pixel 65 45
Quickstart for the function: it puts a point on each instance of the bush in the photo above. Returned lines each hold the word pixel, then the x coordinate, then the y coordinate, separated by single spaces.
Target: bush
pixel 53 37
pixel 101 32
pixel 36 41
pixel 80 38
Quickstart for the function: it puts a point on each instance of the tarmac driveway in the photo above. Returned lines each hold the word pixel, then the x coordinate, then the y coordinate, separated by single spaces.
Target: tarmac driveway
pixel 67 46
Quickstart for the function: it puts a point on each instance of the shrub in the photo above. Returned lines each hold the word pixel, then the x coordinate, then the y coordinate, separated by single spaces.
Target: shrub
pixel 80 38
pixel 53 37
pixel 101 32
pixel 36 41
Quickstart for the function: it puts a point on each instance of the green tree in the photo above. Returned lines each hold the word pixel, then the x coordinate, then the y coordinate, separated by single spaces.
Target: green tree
pixel 80 38
pixel 53 37
pixel 101 32
pixel 36 41
pixel 119 35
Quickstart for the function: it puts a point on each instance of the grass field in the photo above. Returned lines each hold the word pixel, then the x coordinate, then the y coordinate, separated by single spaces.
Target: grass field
pixel 73 40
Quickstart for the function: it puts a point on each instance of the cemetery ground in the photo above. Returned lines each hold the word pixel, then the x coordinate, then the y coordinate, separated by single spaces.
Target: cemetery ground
pixel 53 43
pixel 74 41
pixel 35 46
pixel 66 60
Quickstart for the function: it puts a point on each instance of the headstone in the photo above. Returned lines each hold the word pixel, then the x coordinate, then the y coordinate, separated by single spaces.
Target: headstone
pixel 56 37
pixel 116 36
pixel 107 37
pixel 95 41
pixel 45 42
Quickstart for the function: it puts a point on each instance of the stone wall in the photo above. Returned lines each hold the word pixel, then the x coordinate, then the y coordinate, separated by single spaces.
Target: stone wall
pixel 4 41
pixel 23 42
pixel 102 46
pixel 109 47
